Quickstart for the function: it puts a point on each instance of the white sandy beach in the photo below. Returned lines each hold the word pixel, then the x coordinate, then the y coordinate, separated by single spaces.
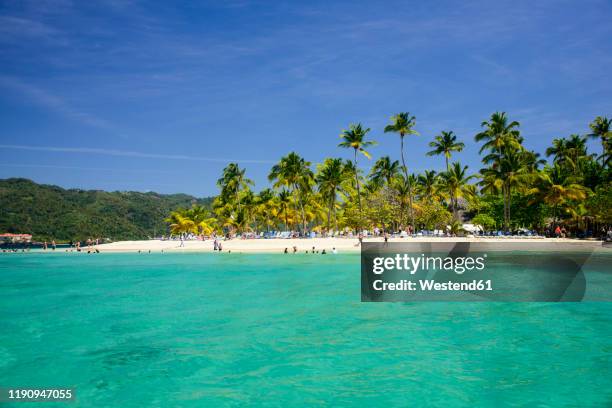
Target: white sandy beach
pixel 342 245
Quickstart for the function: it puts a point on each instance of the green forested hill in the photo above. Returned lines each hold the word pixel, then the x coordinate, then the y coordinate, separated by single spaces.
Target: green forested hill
pixel 51 212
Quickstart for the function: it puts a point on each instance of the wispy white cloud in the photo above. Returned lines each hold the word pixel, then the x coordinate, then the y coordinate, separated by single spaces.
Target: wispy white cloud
pixel 17 26
pixel 55 103
pixel 127 153
pixel 85 168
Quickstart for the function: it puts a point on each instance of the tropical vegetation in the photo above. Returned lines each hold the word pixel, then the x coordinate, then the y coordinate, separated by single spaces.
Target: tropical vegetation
pixel 515 187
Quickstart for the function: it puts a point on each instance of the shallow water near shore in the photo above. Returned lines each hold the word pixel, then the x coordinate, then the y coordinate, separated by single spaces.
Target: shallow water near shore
pixel 202 329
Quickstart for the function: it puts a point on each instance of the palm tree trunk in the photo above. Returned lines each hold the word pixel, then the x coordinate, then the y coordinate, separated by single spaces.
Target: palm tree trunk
pixel 301 210
pixel 506 190
pixel 335 218
pixel 358 193
pixel 407 180
pixel 295 205
pixel 286 220
pixel 446 158
pixel 509 205
pixel 238 197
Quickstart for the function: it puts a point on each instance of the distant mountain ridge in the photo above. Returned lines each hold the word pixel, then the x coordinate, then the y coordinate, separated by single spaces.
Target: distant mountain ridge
pixel 51 212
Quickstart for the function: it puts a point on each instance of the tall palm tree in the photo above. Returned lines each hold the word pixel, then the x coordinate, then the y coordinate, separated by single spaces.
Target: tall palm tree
pixel 499 134
pixel 232 181
pixel 601 128
pixel 559 150
pixel 445 143
pixel 284 201
pixel 383 171
pixel 294 172
pixel 330 177
pixel 403 124
pixel 508 163
pixel 569 153
pixel 354 138
pixel 455 182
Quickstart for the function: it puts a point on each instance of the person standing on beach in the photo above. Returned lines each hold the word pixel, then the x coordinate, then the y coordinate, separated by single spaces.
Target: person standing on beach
pixel 45 245
pixel 53 245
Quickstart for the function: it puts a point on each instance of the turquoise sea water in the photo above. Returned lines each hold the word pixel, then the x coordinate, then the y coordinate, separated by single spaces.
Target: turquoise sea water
pixel 204 330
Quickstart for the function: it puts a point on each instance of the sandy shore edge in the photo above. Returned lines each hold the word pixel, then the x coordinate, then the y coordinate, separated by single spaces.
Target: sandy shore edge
pixel 342 245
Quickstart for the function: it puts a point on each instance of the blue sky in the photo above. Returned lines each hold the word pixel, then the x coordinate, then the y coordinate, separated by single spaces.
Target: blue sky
pixel 128 95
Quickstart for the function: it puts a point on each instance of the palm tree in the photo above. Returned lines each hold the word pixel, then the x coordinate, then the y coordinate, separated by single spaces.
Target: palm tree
pixel 401 186
pixel 554 189
pixel 383 171
pixel 558 150
pixel 284 201
pixel 455 182
pixel 445 143
pixel 265 204
pixel 600 128
pixel 513 171
pixel 330 178
pixel 232 180
pixel 569 153
pixel 180 223
pixel 203 222
pixel 354 138
pixel 403 124
pixel 428 184
pixel 508 162
pixel 194 220
pixel 294 172
pixel 499 135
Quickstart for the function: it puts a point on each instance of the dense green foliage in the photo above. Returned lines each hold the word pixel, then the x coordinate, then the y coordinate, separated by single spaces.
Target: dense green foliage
pixel 50 212
pixel 516 188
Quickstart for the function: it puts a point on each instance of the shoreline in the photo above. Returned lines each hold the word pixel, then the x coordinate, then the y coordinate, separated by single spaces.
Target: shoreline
pixel 342 245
